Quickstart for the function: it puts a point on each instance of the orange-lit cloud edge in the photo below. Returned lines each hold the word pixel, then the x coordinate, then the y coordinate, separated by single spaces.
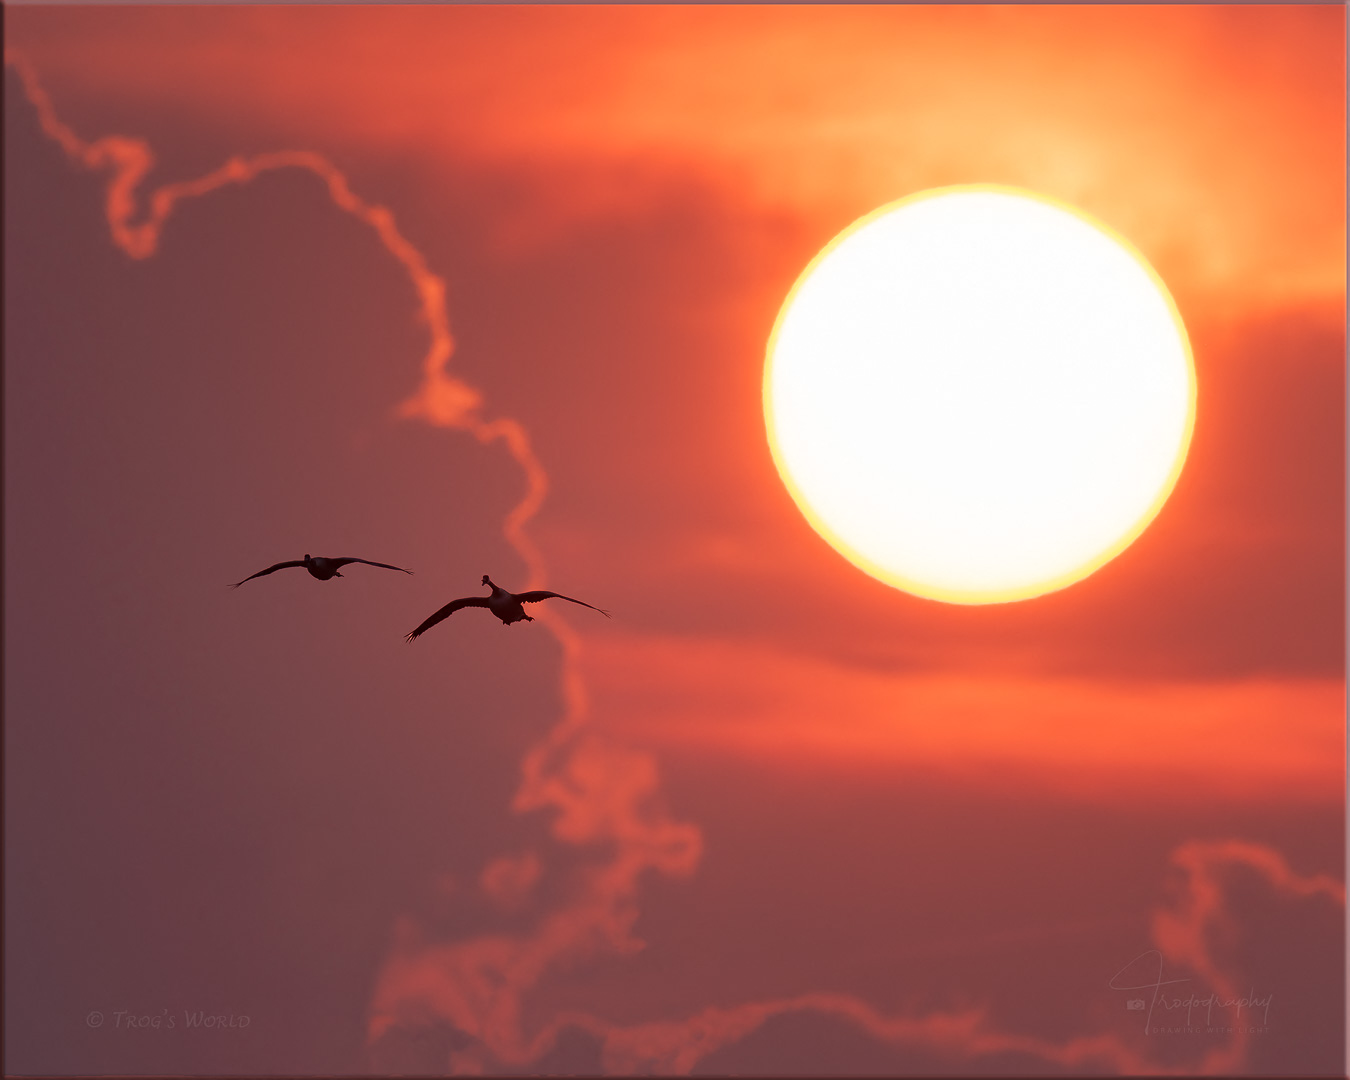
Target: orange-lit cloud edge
pixel 601 791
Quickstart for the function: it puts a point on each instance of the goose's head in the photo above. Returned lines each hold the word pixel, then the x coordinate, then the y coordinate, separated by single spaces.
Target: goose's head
pixel 488 581
pixel 306 556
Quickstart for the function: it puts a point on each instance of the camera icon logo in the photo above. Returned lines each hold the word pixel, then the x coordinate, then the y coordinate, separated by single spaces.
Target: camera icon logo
pixel 1135 1004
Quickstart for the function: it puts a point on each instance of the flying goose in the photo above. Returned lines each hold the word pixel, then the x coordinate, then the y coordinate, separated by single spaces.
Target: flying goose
pixel 506 606
pixel 318 567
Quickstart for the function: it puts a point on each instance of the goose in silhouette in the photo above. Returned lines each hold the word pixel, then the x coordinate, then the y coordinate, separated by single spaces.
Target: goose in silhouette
pixel 506 606
pixel 318 566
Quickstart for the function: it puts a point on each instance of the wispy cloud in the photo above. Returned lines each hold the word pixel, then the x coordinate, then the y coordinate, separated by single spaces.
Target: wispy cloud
pixel 479 988
pixel 1183 931
pixel 599 793
pixel 1191 129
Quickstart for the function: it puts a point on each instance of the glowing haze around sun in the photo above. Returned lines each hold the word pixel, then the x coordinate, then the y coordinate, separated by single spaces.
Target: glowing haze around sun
pixel 979 394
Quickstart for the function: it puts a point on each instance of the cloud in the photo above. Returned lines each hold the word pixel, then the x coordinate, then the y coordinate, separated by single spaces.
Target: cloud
pixel 1249 738
pixel 601 794
pixel 1183 932
pixel 441 400
pixel 471 985
pixel 604 799
pixel 605 795
pixel 1213 138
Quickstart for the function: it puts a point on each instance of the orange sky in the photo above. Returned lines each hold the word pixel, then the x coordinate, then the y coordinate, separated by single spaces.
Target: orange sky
pixel 605 206
pixel 1211 135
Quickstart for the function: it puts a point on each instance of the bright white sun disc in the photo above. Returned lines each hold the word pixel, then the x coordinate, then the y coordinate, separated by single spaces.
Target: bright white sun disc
pixel 979 394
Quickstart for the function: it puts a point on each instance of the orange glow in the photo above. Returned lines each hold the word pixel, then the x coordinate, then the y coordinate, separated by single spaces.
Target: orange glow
pixel 1249 738
pixel 1185 128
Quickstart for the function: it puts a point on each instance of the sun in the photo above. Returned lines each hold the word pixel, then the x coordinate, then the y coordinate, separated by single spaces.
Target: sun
pixel 979 394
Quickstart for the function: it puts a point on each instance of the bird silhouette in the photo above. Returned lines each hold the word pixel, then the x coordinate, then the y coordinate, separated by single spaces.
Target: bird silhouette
pixel 318 566
pixel 505 605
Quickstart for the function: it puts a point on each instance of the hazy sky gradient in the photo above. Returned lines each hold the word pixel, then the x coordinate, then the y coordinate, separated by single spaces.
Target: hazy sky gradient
pixel 775 816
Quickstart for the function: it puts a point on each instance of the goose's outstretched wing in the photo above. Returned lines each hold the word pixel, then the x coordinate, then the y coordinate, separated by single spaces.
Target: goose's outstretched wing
pixel 269 570
pixel 344 562
pixel 445 612
pixel 540 594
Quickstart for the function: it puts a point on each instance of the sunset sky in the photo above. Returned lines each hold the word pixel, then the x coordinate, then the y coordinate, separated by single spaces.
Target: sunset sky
pixel 487 289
